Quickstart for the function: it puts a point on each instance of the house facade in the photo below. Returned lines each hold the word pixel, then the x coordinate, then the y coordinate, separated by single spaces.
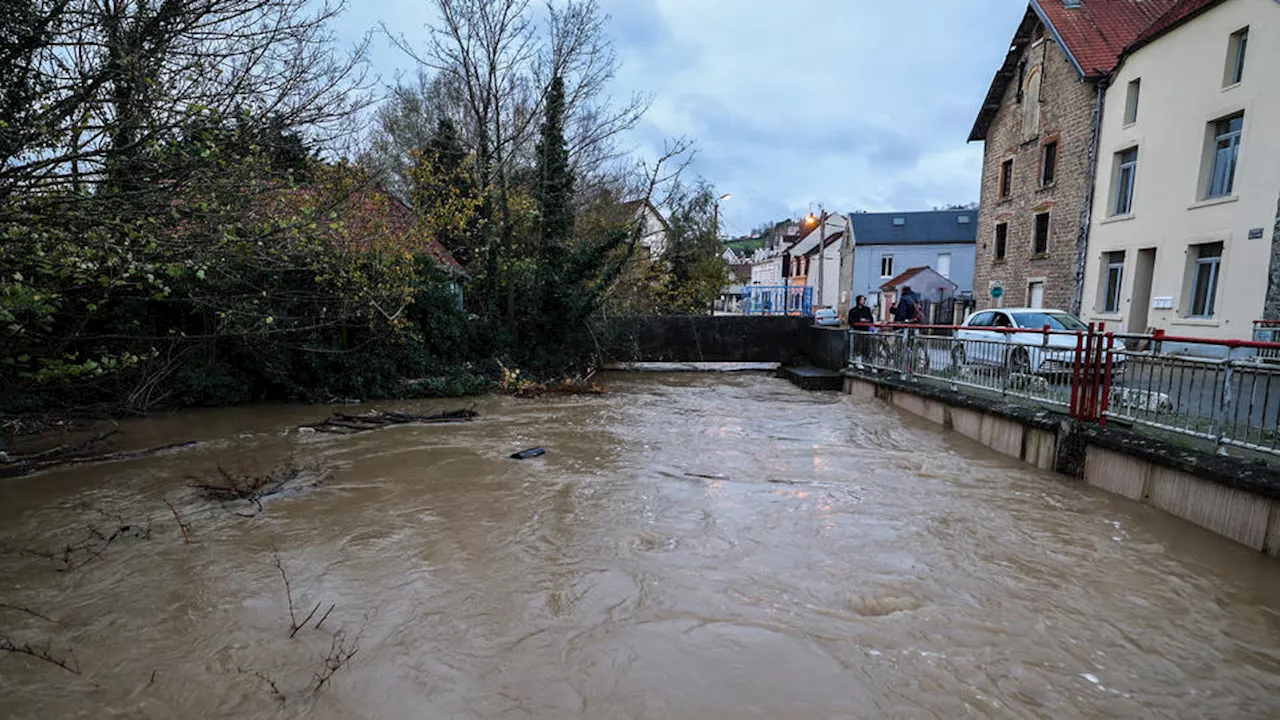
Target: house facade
pixel 887 244
pixel 815 260
pixel 1188 175
pixel 1039 129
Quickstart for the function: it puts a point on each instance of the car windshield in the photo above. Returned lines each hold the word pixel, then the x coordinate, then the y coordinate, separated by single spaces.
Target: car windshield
pixel 1055 321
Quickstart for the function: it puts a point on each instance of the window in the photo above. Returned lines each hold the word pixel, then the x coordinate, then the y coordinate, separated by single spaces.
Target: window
pixel 1051 320
pixel 886 266
pixel 1048 163
pixel 1006 178
pixel 1040 237
pixel 944 265
pixel 1035 294
pixel 982 319
pixel 1031 108
pixel 1126 170
pixel 1112 281
pixel 1131 102
pixel 1002 240
pixel 1235 57
pixel 1224 153
pixel 1204 283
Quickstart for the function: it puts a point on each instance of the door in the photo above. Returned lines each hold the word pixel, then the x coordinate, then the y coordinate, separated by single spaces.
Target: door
pixel 1035 295
pixel 1143 272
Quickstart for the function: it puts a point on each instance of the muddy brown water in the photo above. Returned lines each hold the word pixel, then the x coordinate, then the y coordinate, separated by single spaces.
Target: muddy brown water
pixel 691 546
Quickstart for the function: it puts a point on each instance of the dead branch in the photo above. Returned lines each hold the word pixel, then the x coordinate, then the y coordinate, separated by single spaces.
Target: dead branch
pixel 29 611
pixel 305 620
pixel 275 690
pixel 253 487
pixel 325 617
pixel 339 655
pixel 288 592
pixel 186 536
pixel 94 543
pixel 68 663
pixel 19 467
pixel 344 424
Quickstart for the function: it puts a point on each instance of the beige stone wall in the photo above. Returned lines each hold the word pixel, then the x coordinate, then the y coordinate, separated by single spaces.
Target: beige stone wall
pixel 1065 111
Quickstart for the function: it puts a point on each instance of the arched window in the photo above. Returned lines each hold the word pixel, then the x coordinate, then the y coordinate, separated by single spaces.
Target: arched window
pixel 1031 104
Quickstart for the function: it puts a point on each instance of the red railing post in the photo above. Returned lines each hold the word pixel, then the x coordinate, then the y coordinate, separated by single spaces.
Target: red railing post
pixel 1076 365
pixel 1106 378
pixel 1087 389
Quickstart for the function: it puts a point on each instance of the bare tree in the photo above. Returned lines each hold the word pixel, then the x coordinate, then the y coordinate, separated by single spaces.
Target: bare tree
pixel 112 79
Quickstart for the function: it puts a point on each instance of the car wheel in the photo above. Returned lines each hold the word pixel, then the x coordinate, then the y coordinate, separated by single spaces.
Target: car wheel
pixel 1019 362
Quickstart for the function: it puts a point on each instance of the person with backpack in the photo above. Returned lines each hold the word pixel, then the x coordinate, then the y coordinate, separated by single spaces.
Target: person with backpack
pixel 909 308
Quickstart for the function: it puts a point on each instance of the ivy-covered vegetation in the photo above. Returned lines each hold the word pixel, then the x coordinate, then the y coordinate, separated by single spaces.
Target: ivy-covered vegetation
pixel 188 215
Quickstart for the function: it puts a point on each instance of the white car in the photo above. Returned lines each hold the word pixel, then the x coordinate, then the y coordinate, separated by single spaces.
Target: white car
pixel 982 341
pixel 826 316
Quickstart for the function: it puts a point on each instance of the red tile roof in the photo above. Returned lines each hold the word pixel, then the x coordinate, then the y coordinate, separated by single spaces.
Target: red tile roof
pixel 1097 31
pixel 1095 35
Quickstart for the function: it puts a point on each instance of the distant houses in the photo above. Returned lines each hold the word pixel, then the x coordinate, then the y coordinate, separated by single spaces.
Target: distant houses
pixel 888 244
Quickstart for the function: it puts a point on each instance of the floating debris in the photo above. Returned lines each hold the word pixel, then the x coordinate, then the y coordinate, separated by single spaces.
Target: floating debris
pixel 530 453
pixel 343 424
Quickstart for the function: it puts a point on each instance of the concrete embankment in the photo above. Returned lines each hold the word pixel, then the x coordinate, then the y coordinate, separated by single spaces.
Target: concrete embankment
pixel 1232 497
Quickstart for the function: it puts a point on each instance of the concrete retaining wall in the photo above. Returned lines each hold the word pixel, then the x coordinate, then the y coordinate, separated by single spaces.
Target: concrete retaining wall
pixel 1235 499
pixel 707 338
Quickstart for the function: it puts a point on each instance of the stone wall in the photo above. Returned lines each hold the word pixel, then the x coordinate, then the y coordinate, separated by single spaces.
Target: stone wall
pixel 706 338
pixel 1065 114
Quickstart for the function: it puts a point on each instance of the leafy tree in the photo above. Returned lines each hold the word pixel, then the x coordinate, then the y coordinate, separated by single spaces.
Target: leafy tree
pixel 697 271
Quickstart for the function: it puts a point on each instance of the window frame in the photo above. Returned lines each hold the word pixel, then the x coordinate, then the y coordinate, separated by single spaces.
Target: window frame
pixel 1048 163
pixel 1237 56
pixel 1000 243
pixel 1132 99
pixel 1005 190
pixel 938 262
pixel 1113 281
pixel 1233 138
pixel 1126 182
pixel 1036 251
pixel 1214 265
pixel 889 258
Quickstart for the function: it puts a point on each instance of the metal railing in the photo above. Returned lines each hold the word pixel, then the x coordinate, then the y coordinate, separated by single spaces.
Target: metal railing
pixel 1221 391
pixel 777 300
pixel 992 361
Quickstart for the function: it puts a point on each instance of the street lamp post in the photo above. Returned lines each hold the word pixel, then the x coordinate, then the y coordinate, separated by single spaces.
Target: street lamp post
pixel 716 213
pixel 822 253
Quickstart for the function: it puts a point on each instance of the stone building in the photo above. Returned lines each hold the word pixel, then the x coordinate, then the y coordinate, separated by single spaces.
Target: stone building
pixel 1039 123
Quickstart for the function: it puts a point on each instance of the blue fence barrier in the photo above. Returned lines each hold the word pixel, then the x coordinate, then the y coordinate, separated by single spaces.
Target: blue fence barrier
pixel 777 300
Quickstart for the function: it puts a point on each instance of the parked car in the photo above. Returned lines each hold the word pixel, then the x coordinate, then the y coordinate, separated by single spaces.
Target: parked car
pixel 983 340
pixel 826 316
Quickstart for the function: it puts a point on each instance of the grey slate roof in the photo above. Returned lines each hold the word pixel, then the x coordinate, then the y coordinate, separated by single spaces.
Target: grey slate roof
pixel 919 228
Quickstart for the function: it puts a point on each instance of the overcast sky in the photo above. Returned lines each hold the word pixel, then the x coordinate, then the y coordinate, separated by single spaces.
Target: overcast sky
pixel 852 104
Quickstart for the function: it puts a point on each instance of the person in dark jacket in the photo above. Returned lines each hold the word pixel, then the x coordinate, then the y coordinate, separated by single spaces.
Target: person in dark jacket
pixel 860 318
pixel 860 313
pixel 906 310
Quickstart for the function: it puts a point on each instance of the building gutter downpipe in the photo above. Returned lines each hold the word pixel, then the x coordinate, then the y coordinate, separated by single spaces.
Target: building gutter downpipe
pixel 1086 213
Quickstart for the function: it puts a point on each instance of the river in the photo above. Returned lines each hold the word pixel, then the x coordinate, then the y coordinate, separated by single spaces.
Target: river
pixel 691 546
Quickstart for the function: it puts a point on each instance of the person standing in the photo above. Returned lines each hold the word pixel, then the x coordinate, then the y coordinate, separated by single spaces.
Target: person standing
pixel 860 313
pixel 908 308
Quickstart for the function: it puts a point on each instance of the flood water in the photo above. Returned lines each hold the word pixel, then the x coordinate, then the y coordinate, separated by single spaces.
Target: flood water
pixel 691 546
